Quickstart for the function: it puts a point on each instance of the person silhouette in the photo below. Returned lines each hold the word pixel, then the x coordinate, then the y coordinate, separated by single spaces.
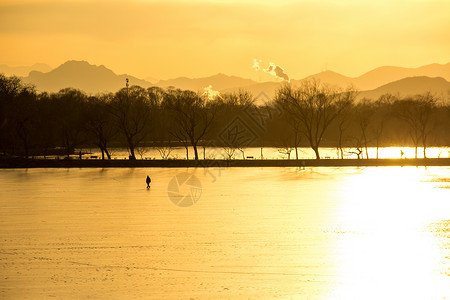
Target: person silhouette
pixel 148 180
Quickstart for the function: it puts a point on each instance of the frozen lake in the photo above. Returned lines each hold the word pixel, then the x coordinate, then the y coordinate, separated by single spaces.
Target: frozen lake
pixel 316 233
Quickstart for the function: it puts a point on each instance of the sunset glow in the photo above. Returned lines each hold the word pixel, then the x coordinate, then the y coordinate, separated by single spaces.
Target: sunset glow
pixel 225 149
pixel 166 39
pixel 387 228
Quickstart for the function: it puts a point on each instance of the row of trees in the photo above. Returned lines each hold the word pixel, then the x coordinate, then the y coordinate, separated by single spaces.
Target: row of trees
pixel 312 114
pixel 317 113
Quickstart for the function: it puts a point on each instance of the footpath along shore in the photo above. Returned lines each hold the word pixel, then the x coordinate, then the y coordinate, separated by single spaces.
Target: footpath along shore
pixel 216 163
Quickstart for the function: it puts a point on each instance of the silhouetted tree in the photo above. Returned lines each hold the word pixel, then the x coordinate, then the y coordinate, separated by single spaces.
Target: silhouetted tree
pixel 131 109
pixel 427 105
pixel 193 117
pixel 10 87
pixel 294 124
pixel 100 122
pixel 343 123
pixel 235 110
pixel 382 113
pixel 156 96
pixel 229 152
pixel 69 111
pixel 445 119
pixel 23 115
pixel 17 114
pixel 161 120
pixel 364 114
pixel 241 98
pixel 357 148
pixel 315 106
pixel 416 113
pixel 32 123
pixel 46 124
pixel 286 151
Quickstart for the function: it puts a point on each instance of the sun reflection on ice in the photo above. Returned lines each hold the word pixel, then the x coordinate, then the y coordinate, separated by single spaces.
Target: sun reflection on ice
pixel 387 250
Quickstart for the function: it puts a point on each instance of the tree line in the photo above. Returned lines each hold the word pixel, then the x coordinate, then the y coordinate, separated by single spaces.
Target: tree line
pixel 312 114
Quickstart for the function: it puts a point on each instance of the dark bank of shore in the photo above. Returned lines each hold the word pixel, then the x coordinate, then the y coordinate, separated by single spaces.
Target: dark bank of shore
pixel 95 163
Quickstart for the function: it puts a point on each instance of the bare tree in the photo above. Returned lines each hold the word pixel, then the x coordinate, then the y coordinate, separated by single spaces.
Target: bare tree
pixel 241 98
pixel 364 114
pixel 416 113
pixel 242 150
pixel 229 152
pixel 70 113
pixel 22 118
pixel 141 151
pixel 342 121
pixel 315 106
pixel 164 151
pixel 131 109
pixel 18 115
pixel 381 114
pixel 426 123
pixel 156 96
pixel 46 124
pixel 193 117
pixel 357 149
pixel 293 122
pixel 10 87
pixel 286 151
pixel 100 122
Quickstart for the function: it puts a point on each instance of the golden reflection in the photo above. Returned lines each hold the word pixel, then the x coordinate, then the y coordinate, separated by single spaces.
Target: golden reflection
pixel 387 250
pixel 407 152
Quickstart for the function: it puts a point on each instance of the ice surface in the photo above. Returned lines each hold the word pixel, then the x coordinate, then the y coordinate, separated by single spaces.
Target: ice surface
pixel 317 233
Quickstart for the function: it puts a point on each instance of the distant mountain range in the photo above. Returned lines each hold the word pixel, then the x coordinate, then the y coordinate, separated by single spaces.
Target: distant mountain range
pixel 411 86
pixel 383 75
pixel 22 70
pixel 96 79
pixel 83 76
pixel 218 82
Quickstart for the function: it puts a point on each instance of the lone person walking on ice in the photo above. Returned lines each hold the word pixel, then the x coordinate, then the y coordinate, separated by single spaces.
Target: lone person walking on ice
pixel 148 180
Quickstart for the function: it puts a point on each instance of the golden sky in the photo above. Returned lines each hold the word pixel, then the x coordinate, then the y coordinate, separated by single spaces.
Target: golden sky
pixel 166 39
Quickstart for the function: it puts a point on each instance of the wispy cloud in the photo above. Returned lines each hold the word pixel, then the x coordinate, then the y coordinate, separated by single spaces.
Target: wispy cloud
pixel 273 69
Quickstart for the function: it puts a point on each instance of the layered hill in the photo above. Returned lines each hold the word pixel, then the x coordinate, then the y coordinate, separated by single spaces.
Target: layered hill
pixel 93 79
pixel 382 75
pixel 411 86
pixel 23 70
pixel 218 82
pixel 81 75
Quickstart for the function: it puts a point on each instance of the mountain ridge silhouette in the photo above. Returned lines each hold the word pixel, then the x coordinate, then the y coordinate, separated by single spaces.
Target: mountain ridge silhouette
pixel 81 75
pixel 96 79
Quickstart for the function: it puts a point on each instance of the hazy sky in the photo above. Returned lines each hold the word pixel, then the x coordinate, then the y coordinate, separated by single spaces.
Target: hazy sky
pixel 166 39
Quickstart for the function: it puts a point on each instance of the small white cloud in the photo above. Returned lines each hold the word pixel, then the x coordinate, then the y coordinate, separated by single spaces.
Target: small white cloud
pixel 256 63
pixel 276 71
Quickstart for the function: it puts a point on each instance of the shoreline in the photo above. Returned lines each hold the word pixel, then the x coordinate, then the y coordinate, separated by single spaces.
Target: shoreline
pixel 17 163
